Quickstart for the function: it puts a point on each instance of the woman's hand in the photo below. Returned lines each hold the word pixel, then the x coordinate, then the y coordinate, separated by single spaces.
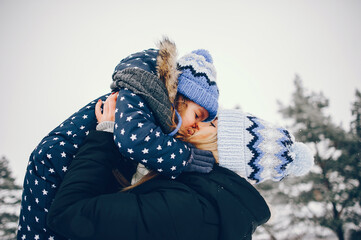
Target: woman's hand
pixel 108 113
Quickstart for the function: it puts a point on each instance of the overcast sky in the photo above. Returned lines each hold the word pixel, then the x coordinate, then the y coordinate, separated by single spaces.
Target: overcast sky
pixel 55 56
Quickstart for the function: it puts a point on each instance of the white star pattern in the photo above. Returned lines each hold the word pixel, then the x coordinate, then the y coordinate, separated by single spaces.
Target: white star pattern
pixel 135 142
pixel 133 137
pixel 47 163
pixel 138 121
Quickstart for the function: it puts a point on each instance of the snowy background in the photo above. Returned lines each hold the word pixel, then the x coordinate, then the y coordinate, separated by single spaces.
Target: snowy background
pixel 58 55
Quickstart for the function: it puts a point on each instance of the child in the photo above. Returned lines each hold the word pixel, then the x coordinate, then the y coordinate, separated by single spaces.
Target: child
pixel 49 162
pixel 141 128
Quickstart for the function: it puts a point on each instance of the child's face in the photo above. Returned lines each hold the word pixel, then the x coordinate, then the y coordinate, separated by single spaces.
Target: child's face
pixel 192 115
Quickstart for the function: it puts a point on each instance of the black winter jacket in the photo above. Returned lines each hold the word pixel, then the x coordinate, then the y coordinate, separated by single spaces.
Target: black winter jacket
pixel 88 205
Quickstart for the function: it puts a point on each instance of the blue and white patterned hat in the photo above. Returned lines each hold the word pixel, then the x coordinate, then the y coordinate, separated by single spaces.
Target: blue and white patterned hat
pixel 258 150
pixel 197 80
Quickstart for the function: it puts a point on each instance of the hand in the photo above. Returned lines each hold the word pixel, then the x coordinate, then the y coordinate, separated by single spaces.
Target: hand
pixel 201 161
pixel 108 113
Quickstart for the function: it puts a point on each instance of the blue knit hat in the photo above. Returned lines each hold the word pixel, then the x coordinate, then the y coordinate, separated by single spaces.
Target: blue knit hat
pixel 258 150
pixel 197 80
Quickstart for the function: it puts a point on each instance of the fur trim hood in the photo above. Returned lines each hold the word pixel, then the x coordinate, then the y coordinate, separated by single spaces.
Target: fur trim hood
pixel 167 67
pixel 161 62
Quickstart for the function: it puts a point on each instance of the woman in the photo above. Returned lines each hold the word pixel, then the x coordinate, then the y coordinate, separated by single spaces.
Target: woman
pixel 252 147
pixel 89 205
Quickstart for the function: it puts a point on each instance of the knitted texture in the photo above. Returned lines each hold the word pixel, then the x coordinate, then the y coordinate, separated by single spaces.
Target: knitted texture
pixel 197 80
pixel 151 89
pixel 259 150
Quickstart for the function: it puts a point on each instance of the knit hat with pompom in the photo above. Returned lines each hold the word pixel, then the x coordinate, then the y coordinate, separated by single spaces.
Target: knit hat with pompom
pixel 197 80
pixel 258 150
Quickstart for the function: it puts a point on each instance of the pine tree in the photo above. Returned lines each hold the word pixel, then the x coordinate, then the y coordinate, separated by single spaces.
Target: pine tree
pixel 9 201
pixel 328 199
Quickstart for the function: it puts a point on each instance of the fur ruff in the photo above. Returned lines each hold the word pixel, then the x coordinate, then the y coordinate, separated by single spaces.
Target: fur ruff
pixel 167 67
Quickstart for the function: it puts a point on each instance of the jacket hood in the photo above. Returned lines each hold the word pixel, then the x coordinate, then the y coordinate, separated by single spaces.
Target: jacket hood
pixel 161 62
pixel 167 66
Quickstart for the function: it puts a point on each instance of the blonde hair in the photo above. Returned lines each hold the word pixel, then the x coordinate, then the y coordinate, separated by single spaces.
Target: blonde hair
pixel 208 143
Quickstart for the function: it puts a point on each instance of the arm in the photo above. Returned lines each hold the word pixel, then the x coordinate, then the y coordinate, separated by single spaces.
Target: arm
pixel 138 137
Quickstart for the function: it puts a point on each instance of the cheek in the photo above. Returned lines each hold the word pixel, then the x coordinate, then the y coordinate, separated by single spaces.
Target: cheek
pixel 187 120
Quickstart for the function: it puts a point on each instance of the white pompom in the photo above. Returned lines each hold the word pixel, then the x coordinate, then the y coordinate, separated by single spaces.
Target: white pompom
pixel 303 160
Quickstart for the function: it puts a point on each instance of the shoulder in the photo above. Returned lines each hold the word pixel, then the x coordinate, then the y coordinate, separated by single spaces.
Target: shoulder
pixel 224 186
pixel 61 144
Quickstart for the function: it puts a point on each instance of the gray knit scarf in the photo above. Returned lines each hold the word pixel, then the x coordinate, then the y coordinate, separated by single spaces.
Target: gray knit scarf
pixel 151 89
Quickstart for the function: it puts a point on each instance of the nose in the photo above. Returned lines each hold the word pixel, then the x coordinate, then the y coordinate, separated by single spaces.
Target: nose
pixel 195 126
